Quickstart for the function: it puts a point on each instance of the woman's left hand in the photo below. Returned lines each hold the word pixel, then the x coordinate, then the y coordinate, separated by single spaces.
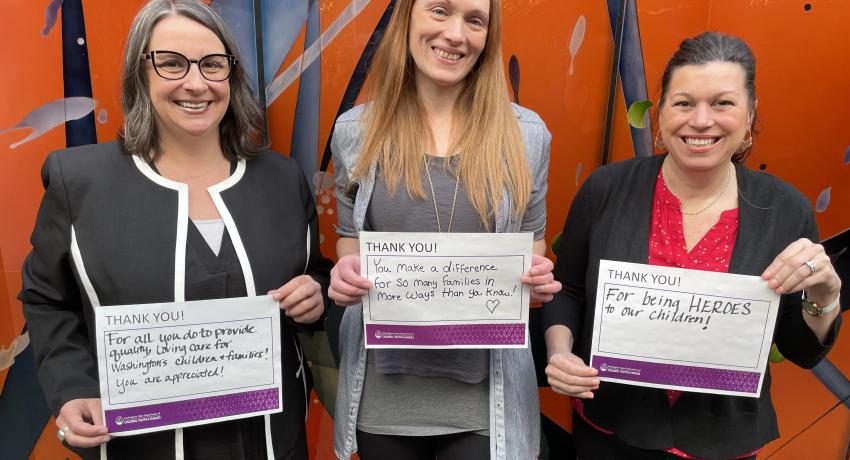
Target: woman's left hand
pixel 540 278
pixel 300 299
pixel 804 265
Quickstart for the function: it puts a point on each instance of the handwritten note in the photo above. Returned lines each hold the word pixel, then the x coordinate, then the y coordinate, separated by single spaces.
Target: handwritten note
pixel 433 290
pixel 170 365
pixel 682 329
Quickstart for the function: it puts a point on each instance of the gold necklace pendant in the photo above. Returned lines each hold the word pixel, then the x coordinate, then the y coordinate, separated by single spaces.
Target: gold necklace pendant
pixel 434 197
pixel 717 198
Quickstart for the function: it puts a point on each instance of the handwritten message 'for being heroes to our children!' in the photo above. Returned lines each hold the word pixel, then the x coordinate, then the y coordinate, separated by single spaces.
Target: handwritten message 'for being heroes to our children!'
pixel 440 290
pixel 170 365
pixel 682 329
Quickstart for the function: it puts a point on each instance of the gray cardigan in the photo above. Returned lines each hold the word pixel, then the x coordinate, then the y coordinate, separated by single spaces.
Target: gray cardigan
pixel 514 405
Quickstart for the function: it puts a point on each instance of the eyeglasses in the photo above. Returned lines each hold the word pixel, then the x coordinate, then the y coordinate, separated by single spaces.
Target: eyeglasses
pixel 172 65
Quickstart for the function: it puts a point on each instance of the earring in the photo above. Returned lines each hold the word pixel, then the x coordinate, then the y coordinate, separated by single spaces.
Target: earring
pixel 747 143
pixel 659 143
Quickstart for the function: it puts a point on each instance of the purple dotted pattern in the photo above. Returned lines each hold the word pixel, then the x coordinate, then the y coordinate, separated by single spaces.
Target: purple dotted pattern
pixel 172 413
pixel 448 334
pixel 677 375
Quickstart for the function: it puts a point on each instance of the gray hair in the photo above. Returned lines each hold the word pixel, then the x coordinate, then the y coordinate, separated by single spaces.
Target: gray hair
pixel 241 128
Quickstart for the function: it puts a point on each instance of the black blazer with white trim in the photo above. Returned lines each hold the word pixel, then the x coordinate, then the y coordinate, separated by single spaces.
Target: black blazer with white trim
pixel 110 231
pixel 610 219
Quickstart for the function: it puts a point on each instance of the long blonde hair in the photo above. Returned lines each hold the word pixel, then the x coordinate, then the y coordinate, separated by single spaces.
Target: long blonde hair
pixel 491 147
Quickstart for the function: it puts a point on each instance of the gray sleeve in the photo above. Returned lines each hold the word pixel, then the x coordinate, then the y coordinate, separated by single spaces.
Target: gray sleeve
pixel 537 143
pixel 341 146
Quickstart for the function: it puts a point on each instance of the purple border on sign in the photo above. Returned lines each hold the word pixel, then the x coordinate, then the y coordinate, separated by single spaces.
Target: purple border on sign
pixel 493 334
pixel 677 375
pixel 192 410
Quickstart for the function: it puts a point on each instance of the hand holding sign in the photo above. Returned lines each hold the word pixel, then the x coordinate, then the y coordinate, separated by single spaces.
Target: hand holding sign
pixel 540 277
pixel 347 286
pixel 301 299
pixel 81 421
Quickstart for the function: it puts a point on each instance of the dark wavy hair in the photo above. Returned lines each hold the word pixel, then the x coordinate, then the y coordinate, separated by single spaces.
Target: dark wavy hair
pixel 716 47
pixel 243 124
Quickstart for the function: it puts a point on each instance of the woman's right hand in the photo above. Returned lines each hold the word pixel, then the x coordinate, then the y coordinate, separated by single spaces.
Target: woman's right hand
pixel 568 375
pixel 347 286
pixel 82 422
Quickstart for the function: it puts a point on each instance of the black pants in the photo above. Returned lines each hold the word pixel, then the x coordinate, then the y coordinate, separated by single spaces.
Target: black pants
pixel 459 446
pixel 592 444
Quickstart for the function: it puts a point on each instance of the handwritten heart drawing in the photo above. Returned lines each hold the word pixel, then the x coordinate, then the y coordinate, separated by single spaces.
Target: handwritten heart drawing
pixel 492 305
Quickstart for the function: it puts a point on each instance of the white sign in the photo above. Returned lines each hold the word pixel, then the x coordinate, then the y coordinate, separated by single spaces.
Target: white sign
pixel 169 365
pixel 441 290
pixel 681 329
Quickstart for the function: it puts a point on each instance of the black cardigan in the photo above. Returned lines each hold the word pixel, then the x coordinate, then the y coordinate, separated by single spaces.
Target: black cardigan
pixel 126 224
pixel 610 219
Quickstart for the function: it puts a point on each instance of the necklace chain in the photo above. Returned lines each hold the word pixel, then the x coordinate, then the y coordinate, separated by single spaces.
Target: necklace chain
pixel 434 197
pixel 190 177
pixel 717 198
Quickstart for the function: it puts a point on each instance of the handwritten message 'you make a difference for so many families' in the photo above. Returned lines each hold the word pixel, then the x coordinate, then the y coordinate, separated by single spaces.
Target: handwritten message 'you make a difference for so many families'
pixel 433 290
pixel 177 364
pixel 682 329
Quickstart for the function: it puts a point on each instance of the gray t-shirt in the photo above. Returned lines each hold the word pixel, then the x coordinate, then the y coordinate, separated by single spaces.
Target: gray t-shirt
pixel 410 392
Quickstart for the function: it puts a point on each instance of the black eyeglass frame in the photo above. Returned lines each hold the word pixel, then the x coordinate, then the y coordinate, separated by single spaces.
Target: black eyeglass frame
pixel 231 59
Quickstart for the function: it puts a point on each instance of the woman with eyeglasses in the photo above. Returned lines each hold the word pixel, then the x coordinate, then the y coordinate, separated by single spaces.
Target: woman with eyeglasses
pixel 188 204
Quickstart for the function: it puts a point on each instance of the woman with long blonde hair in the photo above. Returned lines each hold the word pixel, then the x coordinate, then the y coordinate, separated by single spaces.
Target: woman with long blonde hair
pixel 439 147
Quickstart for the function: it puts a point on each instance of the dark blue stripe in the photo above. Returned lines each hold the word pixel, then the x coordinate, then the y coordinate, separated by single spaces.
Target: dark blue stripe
pixel 632 74
pixel 75 72
pixel 23 408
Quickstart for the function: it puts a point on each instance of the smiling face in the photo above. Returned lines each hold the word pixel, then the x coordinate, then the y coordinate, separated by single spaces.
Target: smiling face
pixel 705 115
pixel 191 106
pixel 446 38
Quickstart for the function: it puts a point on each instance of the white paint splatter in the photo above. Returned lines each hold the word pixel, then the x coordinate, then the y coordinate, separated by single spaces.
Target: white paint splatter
pixel 322 181
pixel 579 170
pixel 81 41
pixel 51 115
pixel 576 40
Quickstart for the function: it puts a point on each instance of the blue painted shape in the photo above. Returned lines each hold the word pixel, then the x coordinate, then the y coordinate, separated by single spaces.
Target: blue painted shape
pixel 304 148
pixel 51 14
pixel 847 155
pixel 23 408
pixel 75 72
pixel 282 21
pixel 632 75
pixel 832 377
pixel 823 200
pixel 513 73
pixel 239 17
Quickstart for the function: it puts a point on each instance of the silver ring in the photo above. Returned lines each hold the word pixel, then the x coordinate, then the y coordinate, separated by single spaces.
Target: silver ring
pixel 61 433
pixel 811 266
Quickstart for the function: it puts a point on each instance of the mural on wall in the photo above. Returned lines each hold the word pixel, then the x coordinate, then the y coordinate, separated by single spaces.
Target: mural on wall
pixel 590 69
